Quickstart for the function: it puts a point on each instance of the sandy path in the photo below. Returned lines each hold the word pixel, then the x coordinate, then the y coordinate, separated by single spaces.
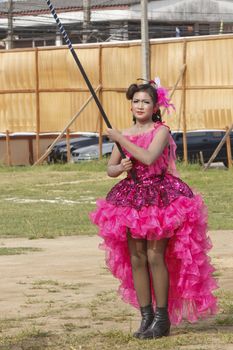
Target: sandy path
pixel 69 260
pixel 70 271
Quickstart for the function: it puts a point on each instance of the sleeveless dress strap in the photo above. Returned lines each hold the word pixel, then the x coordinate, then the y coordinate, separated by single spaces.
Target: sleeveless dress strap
pixel 172 150
pixel 172 157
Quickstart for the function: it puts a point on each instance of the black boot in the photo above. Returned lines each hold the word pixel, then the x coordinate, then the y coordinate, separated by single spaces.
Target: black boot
pixel 160 327
pixel 147 313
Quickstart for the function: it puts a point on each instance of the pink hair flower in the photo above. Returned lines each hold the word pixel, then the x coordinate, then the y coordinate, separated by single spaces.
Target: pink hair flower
pixel 163 99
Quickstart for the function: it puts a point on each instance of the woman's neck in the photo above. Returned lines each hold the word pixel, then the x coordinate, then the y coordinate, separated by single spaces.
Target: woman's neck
pixel 144 125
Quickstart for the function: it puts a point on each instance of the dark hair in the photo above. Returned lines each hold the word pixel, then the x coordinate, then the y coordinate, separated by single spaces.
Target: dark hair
pixel 133 88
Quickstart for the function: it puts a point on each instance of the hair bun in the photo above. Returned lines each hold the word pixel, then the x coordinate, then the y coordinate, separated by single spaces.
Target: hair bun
pixel 131 91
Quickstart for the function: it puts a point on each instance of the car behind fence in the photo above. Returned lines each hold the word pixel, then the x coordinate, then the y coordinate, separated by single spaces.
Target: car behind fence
pixel 205 141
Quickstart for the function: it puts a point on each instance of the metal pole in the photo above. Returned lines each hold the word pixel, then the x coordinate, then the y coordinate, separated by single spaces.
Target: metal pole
pixel 145 41
pixel 9 41
pixel 82 71
pixel 86 19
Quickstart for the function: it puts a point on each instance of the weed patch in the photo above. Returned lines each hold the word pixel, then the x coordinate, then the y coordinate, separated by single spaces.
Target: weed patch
pixel 18 250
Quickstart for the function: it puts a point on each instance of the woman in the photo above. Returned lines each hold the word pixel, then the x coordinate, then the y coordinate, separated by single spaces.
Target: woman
pixel 154 228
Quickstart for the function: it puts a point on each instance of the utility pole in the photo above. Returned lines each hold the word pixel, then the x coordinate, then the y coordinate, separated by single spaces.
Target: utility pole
pixel 145 51
pixel 86 19
pixel 9 39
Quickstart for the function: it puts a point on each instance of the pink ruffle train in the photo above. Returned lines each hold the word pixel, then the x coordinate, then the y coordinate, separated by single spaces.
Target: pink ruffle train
pixel 160 206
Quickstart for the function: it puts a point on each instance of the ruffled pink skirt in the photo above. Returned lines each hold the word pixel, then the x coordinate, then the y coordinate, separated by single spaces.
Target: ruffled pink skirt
pixel 184 222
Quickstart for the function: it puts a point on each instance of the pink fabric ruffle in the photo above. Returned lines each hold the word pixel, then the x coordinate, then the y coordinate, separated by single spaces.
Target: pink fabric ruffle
pixel 184 222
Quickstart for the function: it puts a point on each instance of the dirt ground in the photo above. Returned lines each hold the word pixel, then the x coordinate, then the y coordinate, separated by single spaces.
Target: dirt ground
pixel 66 282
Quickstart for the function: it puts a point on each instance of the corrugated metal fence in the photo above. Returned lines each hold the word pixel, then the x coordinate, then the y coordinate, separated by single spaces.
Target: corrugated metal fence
pixel 41 89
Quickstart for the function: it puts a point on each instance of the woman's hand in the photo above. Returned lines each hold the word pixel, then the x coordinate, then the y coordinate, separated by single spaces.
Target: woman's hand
pixel 126 164
pixel 113 134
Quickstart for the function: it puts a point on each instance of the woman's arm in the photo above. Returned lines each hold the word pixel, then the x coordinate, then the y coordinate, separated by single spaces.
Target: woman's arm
pixel 117 165
pixel 146 156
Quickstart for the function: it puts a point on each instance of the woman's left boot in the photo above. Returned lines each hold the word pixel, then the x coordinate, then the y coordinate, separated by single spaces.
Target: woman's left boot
pixel 160 327
pixel 147 313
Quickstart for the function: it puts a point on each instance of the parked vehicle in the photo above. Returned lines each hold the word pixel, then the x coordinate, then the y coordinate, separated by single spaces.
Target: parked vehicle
pixel 92 152
pixel 87 147
pixel 205 141
pixel 59 152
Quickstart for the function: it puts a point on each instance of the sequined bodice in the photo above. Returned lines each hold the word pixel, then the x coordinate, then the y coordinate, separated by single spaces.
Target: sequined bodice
pixel 152 184
pixel 160 166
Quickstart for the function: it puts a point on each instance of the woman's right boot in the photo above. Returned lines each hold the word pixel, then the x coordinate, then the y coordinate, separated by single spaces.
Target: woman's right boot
pixel 147 313
pixel 160 327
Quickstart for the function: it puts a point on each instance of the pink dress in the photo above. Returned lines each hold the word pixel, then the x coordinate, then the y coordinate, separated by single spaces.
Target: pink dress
pixel 160 205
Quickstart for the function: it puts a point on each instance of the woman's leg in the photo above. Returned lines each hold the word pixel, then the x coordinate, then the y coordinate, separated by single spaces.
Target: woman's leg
pixel 141 278
pixel 156 258
pixel 139 263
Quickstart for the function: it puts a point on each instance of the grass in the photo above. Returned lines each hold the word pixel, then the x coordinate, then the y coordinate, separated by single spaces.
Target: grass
pixel 49 201
pixel 105 324
pixel 18 250
pixel 45 284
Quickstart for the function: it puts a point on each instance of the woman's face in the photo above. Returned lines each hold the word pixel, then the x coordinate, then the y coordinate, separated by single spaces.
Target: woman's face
pixel 142 106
